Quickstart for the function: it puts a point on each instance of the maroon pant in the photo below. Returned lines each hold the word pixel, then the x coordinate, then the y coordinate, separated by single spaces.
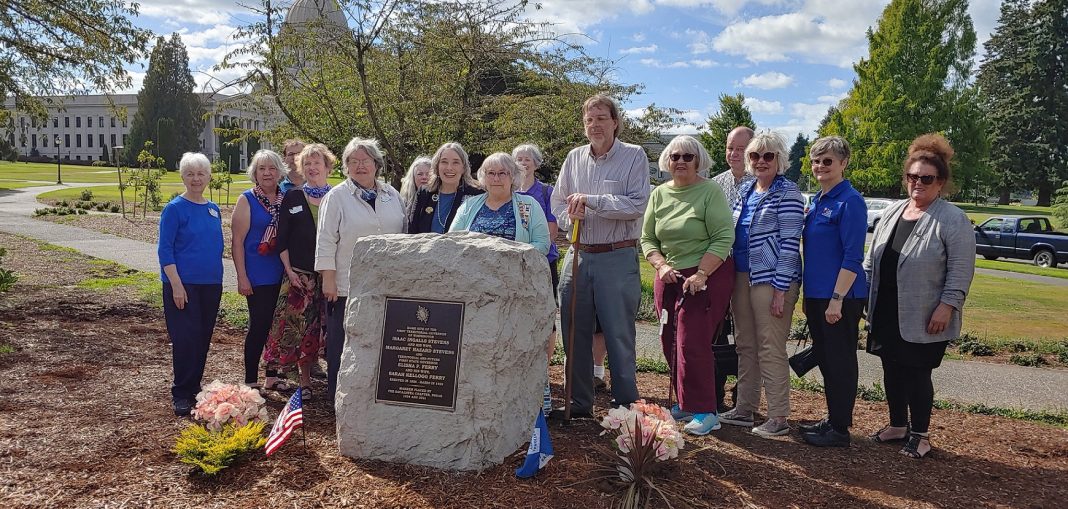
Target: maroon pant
pixel 689 332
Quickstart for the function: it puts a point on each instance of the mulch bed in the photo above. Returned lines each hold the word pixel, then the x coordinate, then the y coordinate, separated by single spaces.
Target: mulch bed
pixel 85 421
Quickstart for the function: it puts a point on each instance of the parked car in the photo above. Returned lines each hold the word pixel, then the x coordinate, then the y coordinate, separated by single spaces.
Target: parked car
pixel 1021 237
pixel 808 200
pixel 876 207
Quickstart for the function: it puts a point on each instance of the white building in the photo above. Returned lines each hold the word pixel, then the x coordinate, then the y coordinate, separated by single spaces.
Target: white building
pixel 80 128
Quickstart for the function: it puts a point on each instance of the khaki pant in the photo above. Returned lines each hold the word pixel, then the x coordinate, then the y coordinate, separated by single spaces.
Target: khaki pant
pixel 761 340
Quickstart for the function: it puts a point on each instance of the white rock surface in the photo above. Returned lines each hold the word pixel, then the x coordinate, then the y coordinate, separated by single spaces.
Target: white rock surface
pixel 508 316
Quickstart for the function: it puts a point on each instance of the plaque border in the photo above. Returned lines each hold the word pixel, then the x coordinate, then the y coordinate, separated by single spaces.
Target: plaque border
pixel 459 352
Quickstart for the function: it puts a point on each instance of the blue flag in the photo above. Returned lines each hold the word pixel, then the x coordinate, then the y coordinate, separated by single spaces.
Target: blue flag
pixel 540 451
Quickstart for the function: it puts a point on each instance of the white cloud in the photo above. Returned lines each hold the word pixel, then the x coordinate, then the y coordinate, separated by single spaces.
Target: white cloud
pixel 678 64
pixel 761 106
pixel 768 81
pixel 703 63
pixel 638 37
pixel 700 42
pixel 836 83
pixel 569 16
pixel 639 49
pixel 729 7
pixel 197 12
pixel 832 99
pixel 812 33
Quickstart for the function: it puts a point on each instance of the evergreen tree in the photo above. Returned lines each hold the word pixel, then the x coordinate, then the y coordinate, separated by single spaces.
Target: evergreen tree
pixel 168 112
pixel 797 154
pixel 732 113
pixel 917 69
pixel 1051 38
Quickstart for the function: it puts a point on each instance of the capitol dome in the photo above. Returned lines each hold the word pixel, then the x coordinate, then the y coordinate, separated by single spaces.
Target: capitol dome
pixel 315 11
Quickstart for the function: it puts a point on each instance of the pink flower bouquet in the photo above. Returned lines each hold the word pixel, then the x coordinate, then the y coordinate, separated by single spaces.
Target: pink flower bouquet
pixel 219 403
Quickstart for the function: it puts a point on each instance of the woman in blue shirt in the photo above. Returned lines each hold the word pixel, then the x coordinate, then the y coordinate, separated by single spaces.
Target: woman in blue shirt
pixel 835 227
pixel 450 184
pixel 254 249
pixel 190 258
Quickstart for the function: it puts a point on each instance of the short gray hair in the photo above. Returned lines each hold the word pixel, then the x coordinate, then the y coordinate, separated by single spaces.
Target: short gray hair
pixel 836 144
pixel 768 141
pixel 687 145
pixel 368 145
pixel 506 162
pixel 435 181
pixel 270 156
pixel 531 150
pixel 192 161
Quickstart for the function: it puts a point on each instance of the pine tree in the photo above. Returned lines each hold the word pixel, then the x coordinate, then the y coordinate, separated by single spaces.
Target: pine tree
pixel 732 113
pixel 797 154
pixel 918 65
pixel 1051 38
pixel 167 109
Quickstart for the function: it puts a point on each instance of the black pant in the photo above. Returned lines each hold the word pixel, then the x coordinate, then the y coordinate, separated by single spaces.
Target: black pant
pixel 835 348
pixel 335 342
pixel 261 306
pixel 908 390
pixel 190 330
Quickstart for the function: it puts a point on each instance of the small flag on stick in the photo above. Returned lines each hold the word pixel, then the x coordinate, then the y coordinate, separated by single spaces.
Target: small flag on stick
pixel 291 417
pixel 540 451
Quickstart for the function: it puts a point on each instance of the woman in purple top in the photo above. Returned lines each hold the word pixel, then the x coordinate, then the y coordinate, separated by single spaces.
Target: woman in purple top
pixel 254 249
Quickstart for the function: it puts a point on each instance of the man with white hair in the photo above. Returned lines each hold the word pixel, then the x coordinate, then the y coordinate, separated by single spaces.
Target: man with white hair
pixel 733 179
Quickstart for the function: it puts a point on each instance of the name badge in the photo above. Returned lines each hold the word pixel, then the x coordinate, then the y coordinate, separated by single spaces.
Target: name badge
pixel 213 213
pixel 296 210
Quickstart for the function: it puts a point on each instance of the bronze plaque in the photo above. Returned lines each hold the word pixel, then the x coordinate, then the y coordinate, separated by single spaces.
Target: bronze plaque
pixel 420 353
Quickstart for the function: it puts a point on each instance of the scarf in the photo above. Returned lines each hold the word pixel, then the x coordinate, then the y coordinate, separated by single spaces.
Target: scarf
pixel 368 195
pixel 315 192
pixel 272 206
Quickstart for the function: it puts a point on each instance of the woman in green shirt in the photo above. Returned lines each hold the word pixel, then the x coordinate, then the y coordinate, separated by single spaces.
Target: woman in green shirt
pixel 686 236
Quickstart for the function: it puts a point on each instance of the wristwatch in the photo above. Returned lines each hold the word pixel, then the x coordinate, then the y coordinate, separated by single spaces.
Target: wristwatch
pixel 835 296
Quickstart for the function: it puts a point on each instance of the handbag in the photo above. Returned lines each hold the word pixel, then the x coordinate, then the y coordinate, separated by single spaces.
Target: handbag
pixel 725 352
pixel 803 361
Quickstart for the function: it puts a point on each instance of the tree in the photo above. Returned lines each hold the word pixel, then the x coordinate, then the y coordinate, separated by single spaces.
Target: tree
pixel 168 112
pixel 797 154
pixel 414 74
pixel 916 73
pixel 732 113
pixel 57 47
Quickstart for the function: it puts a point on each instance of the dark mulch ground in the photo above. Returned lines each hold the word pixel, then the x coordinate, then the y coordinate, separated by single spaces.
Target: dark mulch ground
pixel 85 422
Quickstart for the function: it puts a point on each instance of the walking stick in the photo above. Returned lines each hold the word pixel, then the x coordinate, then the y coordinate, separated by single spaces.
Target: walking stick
pixel 673 368
pixel 569 363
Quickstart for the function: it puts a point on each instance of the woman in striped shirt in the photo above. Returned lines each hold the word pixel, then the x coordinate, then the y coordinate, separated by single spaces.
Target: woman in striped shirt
pixel 767 261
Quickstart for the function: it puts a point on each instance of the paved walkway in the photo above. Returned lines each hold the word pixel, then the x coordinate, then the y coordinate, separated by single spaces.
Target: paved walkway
pixel 963 381
pixel 16 211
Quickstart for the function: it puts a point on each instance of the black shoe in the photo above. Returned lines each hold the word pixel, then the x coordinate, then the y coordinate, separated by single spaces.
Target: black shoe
pixel 828 438
pixel 816 427
pixel 613 404
pixel 558 414
pixel 599 384
pixel 183 407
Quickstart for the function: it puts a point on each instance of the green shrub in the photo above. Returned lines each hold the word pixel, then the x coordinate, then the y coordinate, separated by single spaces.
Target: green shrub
pixel 1028 359
pixel 1019 347
pixel 647 365
pixel 799 330
pixel 975 347
pixel 7 278
pixel 875 393
pixel 87 195
pixel 211 452
pixel 115 208
pixel 63 203
pixel 647 306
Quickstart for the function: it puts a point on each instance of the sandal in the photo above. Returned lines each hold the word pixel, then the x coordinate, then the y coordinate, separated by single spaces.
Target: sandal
pixel 877 437
pixel 275 384
pixel 912 447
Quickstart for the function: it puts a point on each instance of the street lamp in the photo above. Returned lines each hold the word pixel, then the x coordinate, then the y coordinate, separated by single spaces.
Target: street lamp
pixel 59 169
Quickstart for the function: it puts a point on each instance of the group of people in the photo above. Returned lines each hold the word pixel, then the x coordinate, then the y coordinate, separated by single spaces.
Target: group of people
pixel 739 244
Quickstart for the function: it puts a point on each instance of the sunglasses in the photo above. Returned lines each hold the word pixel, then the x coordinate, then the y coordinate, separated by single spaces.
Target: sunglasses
pixel 685 157
pixel 826 161
pixel 767 156
pixel 925 179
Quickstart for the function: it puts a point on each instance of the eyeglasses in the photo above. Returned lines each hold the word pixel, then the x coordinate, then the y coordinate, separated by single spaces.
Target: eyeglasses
pixel 925 179
pixel 766 156
pixel 360 162
pixel 685 157
pixel 826 161
pixel 498 174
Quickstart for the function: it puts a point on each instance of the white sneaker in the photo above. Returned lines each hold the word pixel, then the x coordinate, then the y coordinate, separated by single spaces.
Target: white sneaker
pixel 772 428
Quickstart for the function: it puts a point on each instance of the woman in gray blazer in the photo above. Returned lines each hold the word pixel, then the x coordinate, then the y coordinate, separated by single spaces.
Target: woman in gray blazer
pixel 919 267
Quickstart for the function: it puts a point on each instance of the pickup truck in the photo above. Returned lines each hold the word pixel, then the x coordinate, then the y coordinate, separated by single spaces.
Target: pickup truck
pixel 1022 237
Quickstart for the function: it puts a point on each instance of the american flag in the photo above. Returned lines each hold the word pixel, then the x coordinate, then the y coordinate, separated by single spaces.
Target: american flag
pixel 291 417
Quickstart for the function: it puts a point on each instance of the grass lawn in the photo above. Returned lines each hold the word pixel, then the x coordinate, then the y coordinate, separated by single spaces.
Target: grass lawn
pixel 46 172
pixel 1021 268
pixel 1003 308
pixel 980 213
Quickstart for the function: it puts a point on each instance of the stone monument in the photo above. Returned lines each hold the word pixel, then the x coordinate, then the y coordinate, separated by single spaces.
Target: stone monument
pixel 444 359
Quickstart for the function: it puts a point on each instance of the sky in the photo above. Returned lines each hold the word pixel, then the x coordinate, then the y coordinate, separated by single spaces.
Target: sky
pixel 792 59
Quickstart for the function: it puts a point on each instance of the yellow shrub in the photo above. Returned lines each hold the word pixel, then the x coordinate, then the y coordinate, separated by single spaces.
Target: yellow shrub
pixel 213 451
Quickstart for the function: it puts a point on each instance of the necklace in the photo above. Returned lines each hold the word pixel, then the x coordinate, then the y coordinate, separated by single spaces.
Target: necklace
pixel 437 216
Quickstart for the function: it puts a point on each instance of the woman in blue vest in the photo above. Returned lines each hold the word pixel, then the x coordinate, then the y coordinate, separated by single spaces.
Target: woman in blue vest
pixel 254 248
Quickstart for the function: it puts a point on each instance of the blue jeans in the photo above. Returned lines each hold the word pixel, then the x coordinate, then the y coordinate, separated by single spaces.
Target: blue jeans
pixel 608 290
